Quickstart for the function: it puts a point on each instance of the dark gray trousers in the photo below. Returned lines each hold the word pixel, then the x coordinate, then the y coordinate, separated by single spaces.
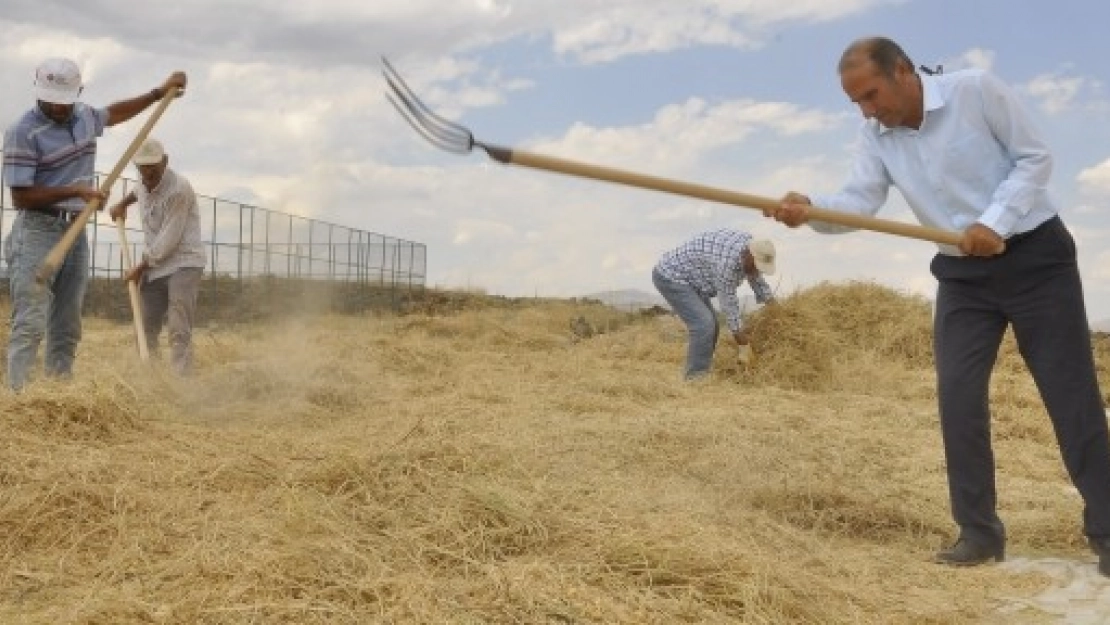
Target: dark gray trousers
pixel 1034 287
pixel 172 299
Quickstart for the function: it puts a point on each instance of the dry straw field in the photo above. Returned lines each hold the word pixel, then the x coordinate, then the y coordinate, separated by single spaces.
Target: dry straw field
pixel 485 465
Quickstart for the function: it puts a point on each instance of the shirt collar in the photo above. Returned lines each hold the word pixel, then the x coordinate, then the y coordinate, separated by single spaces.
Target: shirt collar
pixel 163 184
pixel 931 98
pixel 42 116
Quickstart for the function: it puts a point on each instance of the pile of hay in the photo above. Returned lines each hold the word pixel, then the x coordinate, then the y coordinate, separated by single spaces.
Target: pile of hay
pixel 839 337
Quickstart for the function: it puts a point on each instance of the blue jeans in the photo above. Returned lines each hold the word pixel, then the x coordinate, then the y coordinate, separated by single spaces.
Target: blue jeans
pixel 53 309
pixel 697 313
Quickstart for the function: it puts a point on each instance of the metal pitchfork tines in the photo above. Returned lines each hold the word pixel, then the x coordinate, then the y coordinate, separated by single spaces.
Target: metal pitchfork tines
pixel 440 132
pixel 452 137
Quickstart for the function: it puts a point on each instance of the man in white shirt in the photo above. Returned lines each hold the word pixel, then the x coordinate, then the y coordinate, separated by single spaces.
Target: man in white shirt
pixel 966 157
pixel 173 262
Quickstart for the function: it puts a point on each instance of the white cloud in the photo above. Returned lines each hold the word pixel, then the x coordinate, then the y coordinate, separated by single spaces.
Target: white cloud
pixel 354 32
pixel 1055 92
pixel 1100 269
pixel 619 28
pixel 680 135
pixel 1096 180
pixel 471 231
pixel 977 58
pixel 1063 91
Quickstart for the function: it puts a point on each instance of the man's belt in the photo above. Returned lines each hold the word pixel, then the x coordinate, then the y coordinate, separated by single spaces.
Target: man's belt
pixel 1021 236
pixel 56 213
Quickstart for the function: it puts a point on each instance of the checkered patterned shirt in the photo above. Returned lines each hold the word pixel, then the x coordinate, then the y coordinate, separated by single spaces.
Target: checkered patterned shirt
pixel 712 264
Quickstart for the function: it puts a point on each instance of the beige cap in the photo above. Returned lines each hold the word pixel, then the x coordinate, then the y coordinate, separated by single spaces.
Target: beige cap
pixel 763 251
pixel 149 153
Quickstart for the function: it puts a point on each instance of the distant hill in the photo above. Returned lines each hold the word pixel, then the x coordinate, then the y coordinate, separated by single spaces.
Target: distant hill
pixel 635 299
pixel 629 299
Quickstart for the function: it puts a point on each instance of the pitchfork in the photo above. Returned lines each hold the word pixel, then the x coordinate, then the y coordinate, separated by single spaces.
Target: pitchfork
pixel 452 137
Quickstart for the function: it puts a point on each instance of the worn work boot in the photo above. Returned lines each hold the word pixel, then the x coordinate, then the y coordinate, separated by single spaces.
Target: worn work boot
pixel 970 553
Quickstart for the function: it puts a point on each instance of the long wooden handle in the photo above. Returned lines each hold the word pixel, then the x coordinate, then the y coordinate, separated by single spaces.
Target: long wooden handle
pixel 713 194
pixel 57 254
pixel 133 292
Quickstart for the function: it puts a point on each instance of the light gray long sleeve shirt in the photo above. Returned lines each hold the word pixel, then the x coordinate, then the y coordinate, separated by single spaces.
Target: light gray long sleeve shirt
pixel 976 158
pixel 171 226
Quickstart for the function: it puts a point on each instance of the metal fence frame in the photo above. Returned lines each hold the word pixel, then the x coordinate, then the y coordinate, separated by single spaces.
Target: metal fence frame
pixel 245 242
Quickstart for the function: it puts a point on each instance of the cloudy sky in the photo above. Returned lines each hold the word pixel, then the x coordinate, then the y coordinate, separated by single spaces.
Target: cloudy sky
pixel 286 110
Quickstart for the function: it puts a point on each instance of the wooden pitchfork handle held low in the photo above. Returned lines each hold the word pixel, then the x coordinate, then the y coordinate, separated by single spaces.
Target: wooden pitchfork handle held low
pixel 133 292
pixel 57 254
pixel 583 170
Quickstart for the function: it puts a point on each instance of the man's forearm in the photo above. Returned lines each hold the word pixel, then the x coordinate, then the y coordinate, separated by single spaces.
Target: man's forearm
pixel 124 110
pixel 30 198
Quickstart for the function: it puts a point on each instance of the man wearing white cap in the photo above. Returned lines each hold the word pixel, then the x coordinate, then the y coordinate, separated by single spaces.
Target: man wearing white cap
pixel 173 262
pixel 713 264
pixel 49 160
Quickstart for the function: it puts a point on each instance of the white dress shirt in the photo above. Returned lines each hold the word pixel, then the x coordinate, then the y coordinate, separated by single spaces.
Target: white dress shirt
pixel 171 226
pixel 976 158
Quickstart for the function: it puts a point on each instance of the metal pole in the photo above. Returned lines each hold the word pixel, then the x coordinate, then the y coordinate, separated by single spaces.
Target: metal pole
pixel 393 281
pixel 381 268
pixel 215 262
pixel 239 259
pixel 412 255
pixel 250 259
pixel 331 252
pixel 289 249
pixel 267 243
pixel 363 256
pixel 311 251
pixel 347 268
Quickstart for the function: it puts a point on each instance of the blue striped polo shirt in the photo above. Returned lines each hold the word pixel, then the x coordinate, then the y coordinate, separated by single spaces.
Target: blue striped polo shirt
pixel 39 152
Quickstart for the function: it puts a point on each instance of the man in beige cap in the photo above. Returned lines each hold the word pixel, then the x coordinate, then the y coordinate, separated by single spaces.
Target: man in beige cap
pixel 713 264
pixel 49 157
pixel 173 262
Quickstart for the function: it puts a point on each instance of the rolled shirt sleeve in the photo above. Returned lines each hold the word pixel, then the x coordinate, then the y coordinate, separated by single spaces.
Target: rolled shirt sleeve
pixel 1017 194
pixel 864 193
pixel 730 302
pixel 20 159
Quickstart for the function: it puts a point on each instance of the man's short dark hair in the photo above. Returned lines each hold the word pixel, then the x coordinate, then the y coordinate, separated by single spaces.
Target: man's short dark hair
pixel 881 51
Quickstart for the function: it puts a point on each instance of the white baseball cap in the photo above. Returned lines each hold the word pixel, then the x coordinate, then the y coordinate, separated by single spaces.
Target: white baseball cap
pixel 58 81
pixel 763 251
pixel 149 153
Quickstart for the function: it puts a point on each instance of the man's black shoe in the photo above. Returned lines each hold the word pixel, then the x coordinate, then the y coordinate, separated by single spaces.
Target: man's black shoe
pixel 970 553
pixel 1101 546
